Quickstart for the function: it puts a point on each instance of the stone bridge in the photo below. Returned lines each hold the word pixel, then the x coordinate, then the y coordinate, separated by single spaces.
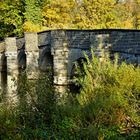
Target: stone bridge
pixel 59 49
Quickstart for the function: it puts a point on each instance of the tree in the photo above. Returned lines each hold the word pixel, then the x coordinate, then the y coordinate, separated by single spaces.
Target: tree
pixel 123 11
pixel 59 14
pixel 33 15
pixel 129 13
pixel 100 14
pixel 33 11
pixel 83 15
pixel 37 15
pixel 11 18
pixel 136 13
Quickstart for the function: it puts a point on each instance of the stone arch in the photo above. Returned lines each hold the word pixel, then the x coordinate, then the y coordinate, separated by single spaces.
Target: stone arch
pixel 45 59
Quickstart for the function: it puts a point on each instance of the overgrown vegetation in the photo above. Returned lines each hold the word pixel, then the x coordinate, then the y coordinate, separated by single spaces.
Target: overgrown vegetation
pixel 107 106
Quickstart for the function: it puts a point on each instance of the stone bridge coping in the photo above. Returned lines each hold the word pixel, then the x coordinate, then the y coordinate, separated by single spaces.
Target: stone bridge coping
pixel 92 30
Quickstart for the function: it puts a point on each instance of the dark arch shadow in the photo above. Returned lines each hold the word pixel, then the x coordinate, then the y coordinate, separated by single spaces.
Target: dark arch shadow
pixel 21 58
pixel 79 63
pixel 3 77
pixel 45 60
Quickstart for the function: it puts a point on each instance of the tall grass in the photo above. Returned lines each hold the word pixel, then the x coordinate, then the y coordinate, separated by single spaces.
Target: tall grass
pixel 106 107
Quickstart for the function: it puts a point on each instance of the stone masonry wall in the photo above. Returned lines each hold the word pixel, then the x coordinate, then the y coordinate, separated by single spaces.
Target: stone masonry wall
pixel 61 48
pixel 124 42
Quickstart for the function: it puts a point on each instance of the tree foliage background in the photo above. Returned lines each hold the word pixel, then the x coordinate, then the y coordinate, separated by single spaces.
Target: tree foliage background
pixel 17 16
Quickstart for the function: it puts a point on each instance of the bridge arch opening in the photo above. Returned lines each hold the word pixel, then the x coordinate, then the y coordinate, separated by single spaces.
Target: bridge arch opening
pixel 45 60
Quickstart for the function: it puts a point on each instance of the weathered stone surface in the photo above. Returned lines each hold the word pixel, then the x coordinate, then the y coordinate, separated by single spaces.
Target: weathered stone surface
pixel 10 43
pixel 44 38
pixel 60 57
pixel 2 47
pixel 125 41
pixel 32 55
pixel 78 39
pixel 31 42
pixel 11 54
pixel 12 67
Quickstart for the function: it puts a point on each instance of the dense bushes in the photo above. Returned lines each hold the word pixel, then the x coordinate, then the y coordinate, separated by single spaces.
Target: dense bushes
pixel 110 97
pixel 107 106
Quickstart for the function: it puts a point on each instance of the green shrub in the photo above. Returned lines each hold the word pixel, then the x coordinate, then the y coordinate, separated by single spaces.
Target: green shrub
pixel 109 96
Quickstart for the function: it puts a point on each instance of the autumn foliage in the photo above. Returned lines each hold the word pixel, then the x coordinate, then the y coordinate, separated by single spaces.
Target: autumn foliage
pixel 18 16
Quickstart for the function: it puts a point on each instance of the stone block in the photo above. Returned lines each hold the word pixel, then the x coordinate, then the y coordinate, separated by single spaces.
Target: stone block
pixel 31 42
pixel 2 47
pixel 58 35
pixel 10 43
pixel 44 38
pixel 78 39
pixel 11 54
pixel 60 80
pixel 32 61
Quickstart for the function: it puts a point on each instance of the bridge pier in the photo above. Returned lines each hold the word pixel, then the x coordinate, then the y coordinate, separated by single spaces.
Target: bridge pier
pixel 32 53
pixel 12 67
pixel 60 63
